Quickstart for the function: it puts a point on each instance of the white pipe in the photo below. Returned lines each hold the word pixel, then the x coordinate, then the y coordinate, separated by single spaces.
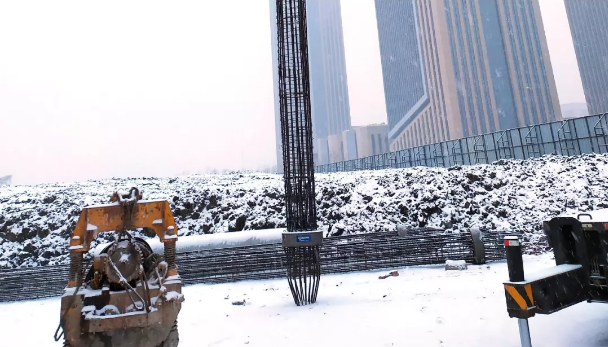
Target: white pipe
pixel 215 241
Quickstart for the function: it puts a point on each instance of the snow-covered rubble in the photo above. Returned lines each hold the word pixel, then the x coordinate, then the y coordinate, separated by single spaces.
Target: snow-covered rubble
pixel 35 221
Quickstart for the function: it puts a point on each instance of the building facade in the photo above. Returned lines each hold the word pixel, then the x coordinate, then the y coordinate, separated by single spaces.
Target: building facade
pixel 364 141
pixel 5 181
pixel 328 81
pixel 589 32
pixel 456 68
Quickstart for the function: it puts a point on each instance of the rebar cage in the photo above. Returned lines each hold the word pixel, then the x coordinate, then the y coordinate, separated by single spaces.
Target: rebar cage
pixel 303 266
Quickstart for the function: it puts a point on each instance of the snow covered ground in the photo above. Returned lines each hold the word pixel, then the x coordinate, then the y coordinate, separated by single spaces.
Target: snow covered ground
pixel 423 306
pixel 35 221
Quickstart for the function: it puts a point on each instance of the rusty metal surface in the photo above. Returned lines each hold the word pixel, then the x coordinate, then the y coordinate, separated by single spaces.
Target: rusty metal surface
pixel 155 215
pixel 164 316
pixel 114 303
pixel 135 329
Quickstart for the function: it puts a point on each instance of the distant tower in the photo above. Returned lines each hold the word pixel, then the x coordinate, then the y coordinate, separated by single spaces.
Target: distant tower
pixel 589 34
pixel 329 88
pixel 5 181
pixel 460 68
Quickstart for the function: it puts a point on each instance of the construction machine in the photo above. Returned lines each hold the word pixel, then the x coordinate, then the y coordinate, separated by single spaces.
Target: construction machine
pixel 129 296
pixel 580 274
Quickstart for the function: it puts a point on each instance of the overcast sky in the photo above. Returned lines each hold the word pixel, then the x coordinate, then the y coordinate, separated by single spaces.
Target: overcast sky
pixel 147 88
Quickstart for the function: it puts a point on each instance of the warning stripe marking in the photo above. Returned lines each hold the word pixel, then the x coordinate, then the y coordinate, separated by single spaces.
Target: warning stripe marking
pixel 523 298
pixel 521 302
pixel 528 289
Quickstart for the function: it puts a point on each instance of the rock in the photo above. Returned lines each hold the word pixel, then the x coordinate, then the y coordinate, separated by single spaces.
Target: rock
pixel 457 265
pixel 42 233
pixel 30 248
pixel 212 202
pixel 240 222
pixel 47 254
pixel 49 199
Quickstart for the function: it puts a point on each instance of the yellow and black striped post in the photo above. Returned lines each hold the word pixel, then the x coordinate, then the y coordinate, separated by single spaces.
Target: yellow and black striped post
pixel 515 264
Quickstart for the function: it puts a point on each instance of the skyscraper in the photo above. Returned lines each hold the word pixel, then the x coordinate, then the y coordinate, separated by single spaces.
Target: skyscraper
pixel 328 82
pixel 6 180
pixel 589 32
pixel 457 68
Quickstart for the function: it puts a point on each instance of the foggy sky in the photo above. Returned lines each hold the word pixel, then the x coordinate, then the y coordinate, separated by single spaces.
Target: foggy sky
pixel 94 90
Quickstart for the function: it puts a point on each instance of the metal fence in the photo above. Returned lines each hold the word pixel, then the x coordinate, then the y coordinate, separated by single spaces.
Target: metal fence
pixel 373 251
pixel 570 137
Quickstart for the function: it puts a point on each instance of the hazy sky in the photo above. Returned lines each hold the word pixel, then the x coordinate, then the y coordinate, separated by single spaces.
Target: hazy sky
pixel 148 88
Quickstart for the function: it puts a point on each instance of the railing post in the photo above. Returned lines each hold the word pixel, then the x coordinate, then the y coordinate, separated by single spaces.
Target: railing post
pixel 479 250
pixel 515 262
pixel 515 265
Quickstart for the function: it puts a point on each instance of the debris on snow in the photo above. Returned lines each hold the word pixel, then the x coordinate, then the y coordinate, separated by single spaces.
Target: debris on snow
pixel 458 265
pixel 391 274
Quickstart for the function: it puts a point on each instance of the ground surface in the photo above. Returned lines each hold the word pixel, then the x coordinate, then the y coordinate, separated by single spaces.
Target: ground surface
pixel 424 306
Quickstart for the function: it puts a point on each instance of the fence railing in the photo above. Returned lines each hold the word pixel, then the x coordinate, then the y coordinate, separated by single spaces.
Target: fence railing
pixel 570 137
pixel 372 251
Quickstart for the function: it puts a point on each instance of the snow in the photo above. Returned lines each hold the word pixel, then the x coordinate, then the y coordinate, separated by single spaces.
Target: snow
pixel 173 295
pixel 423 306
pixel 125 258
pixel 514 196
pixel 548 272
pixel 596 216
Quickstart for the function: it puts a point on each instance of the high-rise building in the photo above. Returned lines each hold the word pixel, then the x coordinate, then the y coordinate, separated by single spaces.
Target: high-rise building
pixel 328 82
pixel 589 32
pixel 457 68
pixel 5 181
pixel 365 141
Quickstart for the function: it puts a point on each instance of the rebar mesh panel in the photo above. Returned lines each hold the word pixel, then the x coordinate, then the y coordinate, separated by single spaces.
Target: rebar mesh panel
pixel 341 254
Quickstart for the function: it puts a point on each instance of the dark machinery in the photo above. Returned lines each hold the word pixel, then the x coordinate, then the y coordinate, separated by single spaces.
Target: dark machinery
pixel 580 246
pixel 130 296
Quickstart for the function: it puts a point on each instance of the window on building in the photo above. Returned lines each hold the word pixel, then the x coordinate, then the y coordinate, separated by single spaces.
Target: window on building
pixel 373 145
